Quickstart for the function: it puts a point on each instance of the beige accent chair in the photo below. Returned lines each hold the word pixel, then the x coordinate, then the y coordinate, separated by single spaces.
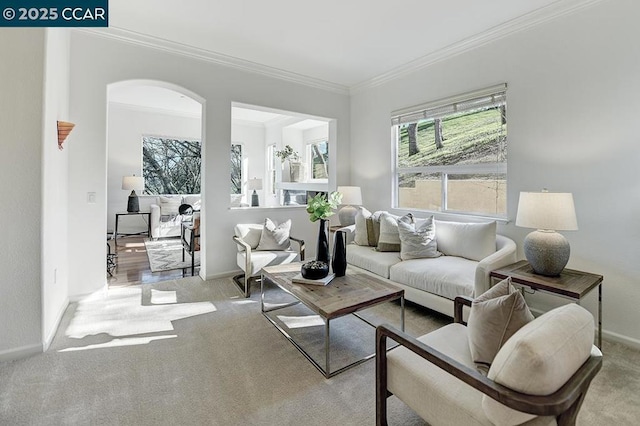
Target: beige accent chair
pixel 539 377
pixel 251 261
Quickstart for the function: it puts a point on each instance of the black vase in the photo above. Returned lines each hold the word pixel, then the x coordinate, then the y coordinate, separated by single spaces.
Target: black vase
pixel 322 252
pixel 339 262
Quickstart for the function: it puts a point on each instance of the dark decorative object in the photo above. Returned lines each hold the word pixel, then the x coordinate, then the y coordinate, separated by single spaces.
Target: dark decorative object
pixel 314 270
pixel 133 205
pixel 322 252
pixel 339 262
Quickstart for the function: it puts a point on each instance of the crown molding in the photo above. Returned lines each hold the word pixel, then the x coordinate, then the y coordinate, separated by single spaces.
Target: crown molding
pixel 132 37
pixel 524 22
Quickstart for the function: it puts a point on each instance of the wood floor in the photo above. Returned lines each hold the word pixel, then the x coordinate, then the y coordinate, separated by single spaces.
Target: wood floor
pixel 133 264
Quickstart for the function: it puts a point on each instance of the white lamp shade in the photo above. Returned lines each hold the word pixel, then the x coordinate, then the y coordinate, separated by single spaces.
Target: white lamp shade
pixel 133 182
pixel 253 184
pixel 547 210
pixel 351 195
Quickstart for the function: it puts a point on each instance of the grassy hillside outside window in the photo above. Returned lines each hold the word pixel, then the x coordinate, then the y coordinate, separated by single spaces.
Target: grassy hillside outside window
pixel 452 156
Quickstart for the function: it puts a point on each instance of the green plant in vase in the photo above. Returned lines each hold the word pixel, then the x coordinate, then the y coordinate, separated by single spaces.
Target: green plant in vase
pixel 289 154
pixel 320 208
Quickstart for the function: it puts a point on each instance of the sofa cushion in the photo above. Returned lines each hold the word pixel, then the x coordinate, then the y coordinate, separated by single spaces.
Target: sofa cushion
pixel 169 205
pixel 389 239
pixel 274 236
pixel 446 276
pixel 260 259
pixel 473 241
pixel 360 237
pixel 370 259
pixel 540 357
pixel 417 240
pixel 495 316
pixel 250 234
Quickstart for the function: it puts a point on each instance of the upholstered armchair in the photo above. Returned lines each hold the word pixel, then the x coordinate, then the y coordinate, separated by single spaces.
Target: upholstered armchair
pixel 539 376
pixel 256 251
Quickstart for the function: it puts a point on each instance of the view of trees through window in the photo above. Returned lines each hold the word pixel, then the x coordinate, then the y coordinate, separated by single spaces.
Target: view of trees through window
pixel 454 160
pixel 319 155
pixel 171 166
pixel 236 169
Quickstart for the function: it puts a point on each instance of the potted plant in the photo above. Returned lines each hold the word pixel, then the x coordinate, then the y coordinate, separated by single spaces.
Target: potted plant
pixel 320 208
pixel 292 157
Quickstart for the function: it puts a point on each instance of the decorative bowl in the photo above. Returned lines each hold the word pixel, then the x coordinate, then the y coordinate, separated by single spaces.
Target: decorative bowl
pixel 315 270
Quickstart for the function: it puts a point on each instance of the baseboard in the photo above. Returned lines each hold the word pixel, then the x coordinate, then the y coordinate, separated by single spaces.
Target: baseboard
pixel 619 338
pixel 607 335
pixel 21 352
pixel 52 333
pixel 223 275
pixel 100 292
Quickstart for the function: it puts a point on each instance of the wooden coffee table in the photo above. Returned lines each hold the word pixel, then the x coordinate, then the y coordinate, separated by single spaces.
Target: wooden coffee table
pixel 342 296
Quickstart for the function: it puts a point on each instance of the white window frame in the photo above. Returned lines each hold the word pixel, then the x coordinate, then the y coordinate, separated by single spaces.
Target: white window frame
pixel 437 109
pixel 271 167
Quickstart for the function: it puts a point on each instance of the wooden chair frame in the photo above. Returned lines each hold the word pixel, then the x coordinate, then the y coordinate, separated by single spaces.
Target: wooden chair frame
pixel 564 403
pixel 242 280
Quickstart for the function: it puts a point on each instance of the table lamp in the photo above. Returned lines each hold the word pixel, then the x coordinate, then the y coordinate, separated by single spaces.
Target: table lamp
pixel 253 184
pixel 133 182
pixel 351 196
pixel 546 250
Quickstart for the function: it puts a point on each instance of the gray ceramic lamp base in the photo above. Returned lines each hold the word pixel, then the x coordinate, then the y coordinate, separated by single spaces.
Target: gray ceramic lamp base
pixel 347 215
pixel 547 252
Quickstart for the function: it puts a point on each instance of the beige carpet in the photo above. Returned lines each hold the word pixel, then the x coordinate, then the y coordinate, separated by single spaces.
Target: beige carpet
pixel 166 255
pixel 189 352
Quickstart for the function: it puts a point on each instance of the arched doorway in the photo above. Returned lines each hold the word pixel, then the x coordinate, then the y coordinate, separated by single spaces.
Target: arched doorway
pixel 141 115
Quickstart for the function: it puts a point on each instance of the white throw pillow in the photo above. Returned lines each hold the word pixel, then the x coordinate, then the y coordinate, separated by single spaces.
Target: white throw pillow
pixel 540 357
pixel 417 241
pixel 473 241
pixel 274 236
pixel 169 205
pixel 361 227
pixel 250 233
pixel 389 239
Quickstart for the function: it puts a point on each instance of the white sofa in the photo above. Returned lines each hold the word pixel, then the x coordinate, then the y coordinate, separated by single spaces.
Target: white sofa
pixel 165 218
pixel 435 282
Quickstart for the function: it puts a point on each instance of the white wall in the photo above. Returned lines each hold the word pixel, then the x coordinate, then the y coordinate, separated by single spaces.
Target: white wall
pixel 55 261
pixel 126 126
pixel 573 100
pixel 252 139
pixel 97 62
pixel 21 120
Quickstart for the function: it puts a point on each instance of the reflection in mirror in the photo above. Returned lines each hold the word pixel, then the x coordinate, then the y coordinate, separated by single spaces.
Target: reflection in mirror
pixel 289 151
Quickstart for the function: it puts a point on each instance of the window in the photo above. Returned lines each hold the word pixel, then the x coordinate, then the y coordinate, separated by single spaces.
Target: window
pixel 236 169
pixel 171 166
pixel 318 159
pixel 451 155
pixel 271 168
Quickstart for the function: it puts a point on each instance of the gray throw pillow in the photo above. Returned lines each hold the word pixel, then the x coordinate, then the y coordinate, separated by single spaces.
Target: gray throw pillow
pixel 274 236
pixel 495 316
pixel 417 240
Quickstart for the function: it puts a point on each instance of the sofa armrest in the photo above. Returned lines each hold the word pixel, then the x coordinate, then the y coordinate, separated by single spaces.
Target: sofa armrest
pixel 504 255
pixel 565 401
pixel 154 218
pixel 349 233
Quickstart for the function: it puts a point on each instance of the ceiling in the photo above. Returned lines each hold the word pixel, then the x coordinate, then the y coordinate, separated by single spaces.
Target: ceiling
pixel 339 42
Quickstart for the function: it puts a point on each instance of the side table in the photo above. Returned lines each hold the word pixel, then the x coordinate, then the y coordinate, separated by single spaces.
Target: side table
pixel 115 232
pixel 570 284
